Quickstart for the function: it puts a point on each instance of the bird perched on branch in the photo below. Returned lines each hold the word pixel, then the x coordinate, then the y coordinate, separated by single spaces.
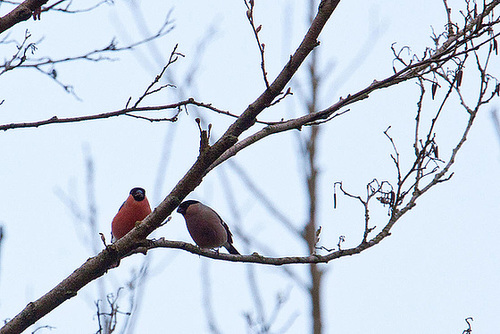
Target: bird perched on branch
pixel 134 209
pixel 206 227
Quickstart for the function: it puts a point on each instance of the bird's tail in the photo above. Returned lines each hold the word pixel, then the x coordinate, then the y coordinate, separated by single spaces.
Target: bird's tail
pixel 230 248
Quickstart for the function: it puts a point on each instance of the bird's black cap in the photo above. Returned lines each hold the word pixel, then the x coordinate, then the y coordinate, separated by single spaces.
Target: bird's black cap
pixel 138 194
pixel 184 205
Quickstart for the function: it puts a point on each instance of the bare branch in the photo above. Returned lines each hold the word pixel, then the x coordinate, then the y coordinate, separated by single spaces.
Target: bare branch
pixel 174 56
pixel 255 257
pixel 43 327
pixel 20 13
pixel 47 65
pixel 449 51
pixel 64 6
pixel 126 111
pixel 469 329
pixel 250 4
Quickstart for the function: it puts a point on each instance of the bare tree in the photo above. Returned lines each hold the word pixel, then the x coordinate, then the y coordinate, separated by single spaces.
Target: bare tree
pixel 440 68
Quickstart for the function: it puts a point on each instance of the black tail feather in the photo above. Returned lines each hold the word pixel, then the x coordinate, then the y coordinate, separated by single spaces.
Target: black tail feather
pixel 230 248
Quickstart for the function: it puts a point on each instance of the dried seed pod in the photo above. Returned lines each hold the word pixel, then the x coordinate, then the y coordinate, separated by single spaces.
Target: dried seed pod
pixel 458 77
pixel 434 89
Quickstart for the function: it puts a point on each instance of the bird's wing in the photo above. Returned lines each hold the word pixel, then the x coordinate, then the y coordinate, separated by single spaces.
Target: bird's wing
pixel 229 234
pixel 122 205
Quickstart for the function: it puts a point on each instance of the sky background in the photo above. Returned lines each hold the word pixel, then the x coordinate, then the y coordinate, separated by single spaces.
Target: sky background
pixel 439 266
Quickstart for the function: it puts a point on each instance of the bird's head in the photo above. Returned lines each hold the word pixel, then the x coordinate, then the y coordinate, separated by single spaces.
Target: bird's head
pixel 138 194
pixel 185 205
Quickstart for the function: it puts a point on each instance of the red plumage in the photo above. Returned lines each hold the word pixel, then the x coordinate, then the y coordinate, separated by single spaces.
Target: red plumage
pixel 134 209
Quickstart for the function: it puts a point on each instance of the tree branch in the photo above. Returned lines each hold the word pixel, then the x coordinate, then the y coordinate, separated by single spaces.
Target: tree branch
pixel 447 52
pixel 255 257
pixel 20 13
pixel 125 111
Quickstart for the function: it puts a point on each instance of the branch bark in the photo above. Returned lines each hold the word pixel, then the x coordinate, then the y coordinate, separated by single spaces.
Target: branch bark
pixel 125 111
pixel 21 13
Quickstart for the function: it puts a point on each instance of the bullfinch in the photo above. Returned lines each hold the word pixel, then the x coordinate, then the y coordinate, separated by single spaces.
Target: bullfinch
pixel 134 209
pixel 206 227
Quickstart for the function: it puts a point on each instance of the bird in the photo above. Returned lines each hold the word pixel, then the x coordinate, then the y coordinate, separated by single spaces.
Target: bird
pixel 135 208
pixel 206 227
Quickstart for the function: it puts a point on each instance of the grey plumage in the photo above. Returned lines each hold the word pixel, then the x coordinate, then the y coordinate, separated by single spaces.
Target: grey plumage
pixel 206 227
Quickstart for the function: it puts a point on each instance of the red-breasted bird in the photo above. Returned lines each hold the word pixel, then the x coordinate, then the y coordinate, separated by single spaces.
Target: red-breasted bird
pixel 134 209
pixel 206 227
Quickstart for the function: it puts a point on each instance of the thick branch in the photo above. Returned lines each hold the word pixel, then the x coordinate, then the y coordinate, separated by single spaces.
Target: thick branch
pixel 20 13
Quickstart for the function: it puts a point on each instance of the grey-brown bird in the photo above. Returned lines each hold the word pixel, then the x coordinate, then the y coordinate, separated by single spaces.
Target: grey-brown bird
pixel 206 227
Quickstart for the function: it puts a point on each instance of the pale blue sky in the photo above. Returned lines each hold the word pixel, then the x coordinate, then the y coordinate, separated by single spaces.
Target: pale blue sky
pixel 440 265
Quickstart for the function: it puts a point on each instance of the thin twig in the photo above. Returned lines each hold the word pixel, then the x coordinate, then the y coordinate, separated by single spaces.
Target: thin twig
pixel 250 4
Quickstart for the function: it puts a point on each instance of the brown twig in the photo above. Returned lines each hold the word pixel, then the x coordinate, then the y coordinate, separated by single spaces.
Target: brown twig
pixel 174 56
pixel 469 329
pixel 250 4
pixel 47 65
pixel 63 6
pixel 255 257
pixel 125 111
